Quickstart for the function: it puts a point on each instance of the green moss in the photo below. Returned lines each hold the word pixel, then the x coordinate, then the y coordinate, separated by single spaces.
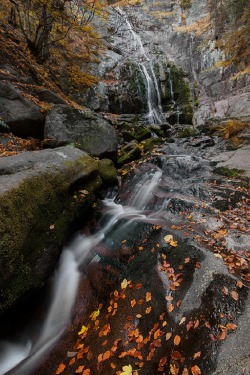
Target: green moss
pixel 187 131
pixel 227 172
pixel 129 153
pixel 150 143
pixel 107 171
pixel 34 220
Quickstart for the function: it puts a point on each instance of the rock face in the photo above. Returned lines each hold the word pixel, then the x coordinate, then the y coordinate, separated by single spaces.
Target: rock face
pixel 89 132
pixel 22 116
pixel 39 204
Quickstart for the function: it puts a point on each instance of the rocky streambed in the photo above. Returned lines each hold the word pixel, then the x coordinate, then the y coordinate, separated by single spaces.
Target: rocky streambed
pixel 165 290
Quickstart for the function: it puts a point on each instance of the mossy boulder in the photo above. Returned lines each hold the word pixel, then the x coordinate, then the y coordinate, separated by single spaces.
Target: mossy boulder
pixel 107 172
pixel 139 133
pixel 187 131
pixel 89 132
pixel 129 153
pixel 151 143
pixel 41 200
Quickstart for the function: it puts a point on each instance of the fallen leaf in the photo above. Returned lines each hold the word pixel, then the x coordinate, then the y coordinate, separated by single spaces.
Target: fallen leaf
pixel 83 330
pixel 189 325
pixel 86 372
pixel 174 369
pixel 148 310
pixel 168 335
pixel 196 323
pixel 223 335
pixel 177 340
pixel 170 307
pixel 139 316
pixel 168 238
pixel 185 371
pixel 112 365
pixel 183 319
pixel 72 361
pixel 195 370
pixel 105 330
pixel 79 370
pixel 106 355
pixel 124 284
pixel 133 302
pixel 60 369
pixel 235 295
pixel 197 355
pixel 225 290
pixel 239 284
pixel 162 361
pixel 71 354
pixel 94 314
pixel 148 296
pixel 169 298
pixel 176 356
pixel 52 226
pixel 231 326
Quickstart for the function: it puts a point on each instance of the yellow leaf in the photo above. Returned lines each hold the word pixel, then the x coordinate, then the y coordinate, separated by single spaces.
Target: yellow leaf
pixel 83 330
pixel 95 314
pixel 127 370
pixel 124 284
pixel 168 238
pixel 173 243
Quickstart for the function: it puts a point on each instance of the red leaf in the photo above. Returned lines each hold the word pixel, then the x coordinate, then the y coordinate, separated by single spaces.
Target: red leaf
pixel 176 356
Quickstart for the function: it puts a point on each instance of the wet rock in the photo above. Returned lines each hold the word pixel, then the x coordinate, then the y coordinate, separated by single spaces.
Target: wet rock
pixel 39 208
pixel 203 142
pixel 49 96
pixel 21 115
pixel 4 128
pixel 89 132
pixel 129 153
pixel 151 142
pixel 187 131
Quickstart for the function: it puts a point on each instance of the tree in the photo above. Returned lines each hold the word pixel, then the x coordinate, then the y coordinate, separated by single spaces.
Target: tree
pixel 45 22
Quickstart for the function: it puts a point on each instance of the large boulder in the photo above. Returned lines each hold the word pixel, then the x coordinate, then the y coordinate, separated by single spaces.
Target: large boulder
pixel 88 131
pixel 21 115
pixel 42 196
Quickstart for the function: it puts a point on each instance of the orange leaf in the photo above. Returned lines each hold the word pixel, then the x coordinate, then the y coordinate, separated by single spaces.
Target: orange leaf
pixel 169 298
pixel 157 333
pixel 113 365
pixel 176 356
pixel 60 369
pixel 168 335
pixel 99 359
pixel 231 326
pixel 223 335
pixel 138 286
pixel 189 325
pixel 150 354
pixel 195 370
pixel 174 369
pixel 133 303
pixel 177 340
pixel 86 372
pixel 148 296
pixel 106 355
pixel 72 361
pixel 162 361
pixel 148 310
pixel 185 371
pixel 105 330
pixel 196 323
pixel 170 307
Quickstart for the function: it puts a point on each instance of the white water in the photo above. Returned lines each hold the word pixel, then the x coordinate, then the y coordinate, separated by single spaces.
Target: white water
pixel 155 112
pixel 27 353
pixel 170 80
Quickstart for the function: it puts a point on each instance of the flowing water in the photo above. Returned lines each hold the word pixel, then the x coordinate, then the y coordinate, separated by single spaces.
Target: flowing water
pixel 155 113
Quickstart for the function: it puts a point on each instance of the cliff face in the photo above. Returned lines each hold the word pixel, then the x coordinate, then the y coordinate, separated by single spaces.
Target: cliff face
pixel 207 40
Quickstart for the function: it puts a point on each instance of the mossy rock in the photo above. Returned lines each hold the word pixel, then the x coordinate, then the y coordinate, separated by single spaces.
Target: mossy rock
pixel 158 130
pixel 187 131
pixel 151 143
pixel 139 133
pixel 224 171
pixel 39 209
pixel 129 153
pixel 107 172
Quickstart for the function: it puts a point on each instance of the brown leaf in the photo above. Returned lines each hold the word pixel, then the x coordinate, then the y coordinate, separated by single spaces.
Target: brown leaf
pixel 239 284
pixel 177 340
pixel 223 335
pixel 60 369
pixel 162 361
pixel 106 355
pixel 148 310
pixel 196 323
pixel 185 371
pixel 195 370
pixel 176 356
pixel 235 295
pixel 189 325
pixel 179 303
pixel 225 290
pixel 150 354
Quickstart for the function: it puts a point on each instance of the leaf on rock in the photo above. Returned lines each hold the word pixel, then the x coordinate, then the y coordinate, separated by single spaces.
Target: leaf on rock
pixel 170 307
pixel 177 340
pixel 185 371
pixel 79 370
pixel 231 326
pixel 197 355
pixel 94 314
pixel 127 370
pixel 60 369
pixel 148 310
pixel 235 295
pixel 83 330
pixel 174 369
pixel 86 372
pixel 105 330
pixel 124 284
pixel 195 370
pixel 148 296
pixel 168 335
pixel 133 302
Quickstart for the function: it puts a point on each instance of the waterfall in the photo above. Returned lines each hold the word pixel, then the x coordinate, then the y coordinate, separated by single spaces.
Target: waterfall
pixel 155 113
pixel 22 357
pixel 176 107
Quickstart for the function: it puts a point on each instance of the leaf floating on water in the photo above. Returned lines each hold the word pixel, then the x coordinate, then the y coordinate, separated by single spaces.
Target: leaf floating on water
pixel 127 370
pixel 60 369
pixel 195 370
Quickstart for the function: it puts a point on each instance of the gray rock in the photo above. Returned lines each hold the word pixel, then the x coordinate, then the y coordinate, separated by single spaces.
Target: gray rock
pixel 89 132
pixel 49 96
pixel 22 116
pixel 238 159
pixel 39 202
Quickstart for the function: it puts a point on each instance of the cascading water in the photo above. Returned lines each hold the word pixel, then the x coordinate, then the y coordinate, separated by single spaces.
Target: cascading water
pixel 177 109
pixel 23 357
pixel 155 113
